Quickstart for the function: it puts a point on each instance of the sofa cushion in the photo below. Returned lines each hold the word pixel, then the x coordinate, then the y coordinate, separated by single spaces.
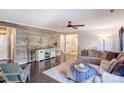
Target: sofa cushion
pixel 84 53
pixel 92 60
pixel 120 56
pixel 104 55
pixel 105 64
pixel 97 53
pixel 94 53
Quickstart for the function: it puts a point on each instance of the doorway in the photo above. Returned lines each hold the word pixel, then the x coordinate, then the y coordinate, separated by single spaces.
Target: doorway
pixel 72 43
pixel 62 43
pixel 7 43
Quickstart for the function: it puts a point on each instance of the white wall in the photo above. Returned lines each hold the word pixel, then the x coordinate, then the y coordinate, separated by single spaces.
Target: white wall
pixel 86 41
pixel 91 39
pixel 3 47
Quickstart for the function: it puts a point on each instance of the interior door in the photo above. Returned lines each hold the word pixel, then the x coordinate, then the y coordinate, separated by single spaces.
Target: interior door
pixel 71 43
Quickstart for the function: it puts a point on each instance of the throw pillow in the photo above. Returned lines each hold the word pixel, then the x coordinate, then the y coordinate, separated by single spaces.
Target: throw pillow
pixel 112 65
pixel 116 55
pixel 91 53
pixel 111 55
pixel 119 69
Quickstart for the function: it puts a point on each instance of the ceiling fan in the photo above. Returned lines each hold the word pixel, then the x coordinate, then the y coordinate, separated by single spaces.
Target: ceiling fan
pixel 74 26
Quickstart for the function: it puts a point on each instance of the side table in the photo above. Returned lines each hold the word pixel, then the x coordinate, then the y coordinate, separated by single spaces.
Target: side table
pixel 1 76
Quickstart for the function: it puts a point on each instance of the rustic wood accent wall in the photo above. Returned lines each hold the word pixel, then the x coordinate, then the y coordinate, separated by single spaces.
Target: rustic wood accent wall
pixel 32 38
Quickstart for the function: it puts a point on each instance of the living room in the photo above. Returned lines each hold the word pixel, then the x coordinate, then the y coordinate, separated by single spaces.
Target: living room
pixel 61 46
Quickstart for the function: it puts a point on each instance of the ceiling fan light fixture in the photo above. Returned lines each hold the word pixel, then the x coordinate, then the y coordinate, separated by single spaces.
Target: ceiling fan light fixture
pixel 112 11
pixel 2 31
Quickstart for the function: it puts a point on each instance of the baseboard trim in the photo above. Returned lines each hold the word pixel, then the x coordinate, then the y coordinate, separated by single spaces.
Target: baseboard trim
pixel 21 62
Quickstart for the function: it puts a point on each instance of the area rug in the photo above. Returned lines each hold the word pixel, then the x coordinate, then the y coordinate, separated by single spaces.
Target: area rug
pixel 57 72
pixel 62 71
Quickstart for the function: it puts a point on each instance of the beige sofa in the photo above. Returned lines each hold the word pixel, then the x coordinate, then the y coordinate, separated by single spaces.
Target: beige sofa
pixel 96 56
pixel 91 60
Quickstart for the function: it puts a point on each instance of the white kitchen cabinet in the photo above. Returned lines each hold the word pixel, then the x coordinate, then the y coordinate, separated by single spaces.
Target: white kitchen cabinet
pixel 40 55
pixel 43 54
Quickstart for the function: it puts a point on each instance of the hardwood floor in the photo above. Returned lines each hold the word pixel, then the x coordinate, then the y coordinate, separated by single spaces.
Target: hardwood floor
pixel 38 67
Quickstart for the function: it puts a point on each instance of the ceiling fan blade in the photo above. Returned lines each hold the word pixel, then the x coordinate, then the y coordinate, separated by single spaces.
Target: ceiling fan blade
pixel 78 25
pixel 73 26
pixel 69 25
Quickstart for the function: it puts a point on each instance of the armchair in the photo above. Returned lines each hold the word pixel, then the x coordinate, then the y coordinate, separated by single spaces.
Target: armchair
pixel 12 73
